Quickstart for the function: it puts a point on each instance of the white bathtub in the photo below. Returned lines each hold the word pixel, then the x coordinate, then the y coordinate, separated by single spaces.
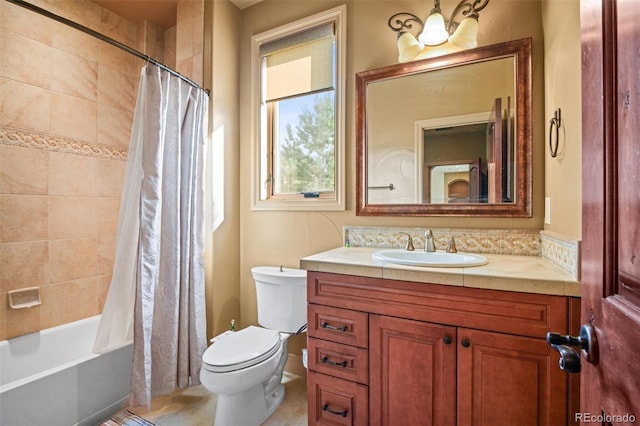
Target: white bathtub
pixel 53 378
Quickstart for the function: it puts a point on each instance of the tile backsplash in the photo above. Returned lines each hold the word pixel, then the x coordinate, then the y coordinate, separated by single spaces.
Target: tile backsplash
pixel 563 251
pixel 560 250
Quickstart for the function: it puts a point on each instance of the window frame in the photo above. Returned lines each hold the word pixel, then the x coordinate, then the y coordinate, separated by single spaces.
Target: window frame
pixel 261 155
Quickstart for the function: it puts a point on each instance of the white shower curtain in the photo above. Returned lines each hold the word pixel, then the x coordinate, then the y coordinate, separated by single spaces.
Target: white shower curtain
pixel 160 241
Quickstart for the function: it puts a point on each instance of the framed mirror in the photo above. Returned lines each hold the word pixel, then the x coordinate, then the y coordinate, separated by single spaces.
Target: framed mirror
pixel 446 136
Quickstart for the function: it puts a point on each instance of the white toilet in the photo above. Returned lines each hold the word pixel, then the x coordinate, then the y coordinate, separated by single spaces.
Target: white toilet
pixel 244 368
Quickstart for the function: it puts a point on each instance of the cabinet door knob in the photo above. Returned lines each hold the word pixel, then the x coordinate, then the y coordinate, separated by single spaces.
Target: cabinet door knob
pixel 326 408
pixel 447 340
pixel 465 343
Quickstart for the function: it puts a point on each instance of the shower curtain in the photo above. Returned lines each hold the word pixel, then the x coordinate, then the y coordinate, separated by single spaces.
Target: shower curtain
pixel 157 290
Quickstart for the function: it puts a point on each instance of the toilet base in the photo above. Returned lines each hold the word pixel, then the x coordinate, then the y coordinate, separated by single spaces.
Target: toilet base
pixel 274 399
pixel 248 408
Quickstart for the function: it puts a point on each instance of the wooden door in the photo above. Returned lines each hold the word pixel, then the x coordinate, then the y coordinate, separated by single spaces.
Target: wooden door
pixel 610 384
pixel 508 380
pixel 495 160
pixel 412 378
pixel 508 194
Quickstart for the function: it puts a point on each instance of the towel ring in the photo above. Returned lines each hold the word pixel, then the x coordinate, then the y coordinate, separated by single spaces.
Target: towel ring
pixel 554 123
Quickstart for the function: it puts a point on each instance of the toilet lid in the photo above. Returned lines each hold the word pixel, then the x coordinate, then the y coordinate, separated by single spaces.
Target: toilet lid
pixel 241 349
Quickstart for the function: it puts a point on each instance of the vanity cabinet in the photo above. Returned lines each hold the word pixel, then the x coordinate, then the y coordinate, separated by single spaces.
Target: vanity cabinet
pixel 387 352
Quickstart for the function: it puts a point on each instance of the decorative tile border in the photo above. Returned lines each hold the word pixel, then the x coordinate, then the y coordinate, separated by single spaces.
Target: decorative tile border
pixel 563 251
pixel 558 249
pixel 496 241
pixel 32 139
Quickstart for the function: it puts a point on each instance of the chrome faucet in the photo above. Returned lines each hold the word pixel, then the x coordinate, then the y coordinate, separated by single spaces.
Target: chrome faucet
pixel 429 242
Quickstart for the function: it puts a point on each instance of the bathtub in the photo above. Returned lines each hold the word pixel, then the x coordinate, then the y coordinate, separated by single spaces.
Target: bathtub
pixel 53 378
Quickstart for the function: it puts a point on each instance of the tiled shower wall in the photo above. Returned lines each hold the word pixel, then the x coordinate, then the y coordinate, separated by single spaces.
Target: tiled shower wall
pixel 189 39
pixel 67 104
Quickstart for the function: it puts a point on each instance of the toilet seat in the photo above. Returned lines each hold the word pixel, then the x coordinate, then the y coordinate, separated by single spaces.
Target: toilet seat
pixel 241 349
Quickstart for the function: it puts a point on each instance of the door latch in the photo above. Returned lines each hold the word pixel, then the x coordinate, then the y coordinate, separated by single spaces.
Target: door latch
pixel 566 346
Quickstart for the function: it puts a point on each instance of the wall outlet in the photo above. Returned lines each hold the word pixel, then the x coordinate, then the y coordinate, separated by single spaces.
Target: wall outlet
pixel 547 210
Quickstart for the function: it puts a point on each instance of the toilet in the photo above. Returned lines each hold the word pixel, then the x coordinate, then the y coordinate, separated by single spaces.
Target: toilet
pixel 244 368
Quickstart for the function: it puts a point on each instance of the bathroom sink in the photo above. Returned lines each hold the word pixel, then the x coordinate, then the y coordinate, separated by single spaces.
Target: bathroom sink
pixel 437 259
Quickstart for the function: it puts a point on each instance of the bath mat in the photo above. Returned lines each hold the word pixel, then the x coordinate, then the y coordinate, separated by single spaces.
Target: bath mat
pixel 127 418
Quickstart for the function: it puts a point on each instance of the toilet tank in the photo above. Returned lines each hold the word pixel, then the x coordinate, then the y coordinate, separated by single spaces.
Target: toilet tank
pixel 282 297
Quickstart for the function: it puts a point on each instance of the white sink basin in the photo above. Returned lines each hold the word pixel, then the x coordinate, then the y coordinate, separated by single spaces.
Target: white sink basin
pixel 437 259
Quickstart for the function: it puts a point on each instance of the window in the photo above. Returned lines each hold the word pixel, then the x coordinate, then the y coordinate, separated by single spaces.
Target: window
pixel 298 103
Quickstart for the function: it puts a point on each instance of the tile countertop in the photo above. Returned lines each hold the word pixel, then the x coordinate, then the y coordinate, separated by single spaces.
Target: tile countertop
pixel 527 274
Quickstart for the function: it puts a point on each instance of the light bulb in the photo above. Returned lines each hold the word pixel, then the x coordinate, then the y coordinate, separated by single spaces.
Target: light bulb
pixel 434 32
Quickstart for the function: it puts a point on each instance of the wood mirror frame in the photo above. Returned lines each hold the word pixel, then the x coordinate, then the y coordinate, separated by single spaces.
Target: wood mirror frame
pixel 520 50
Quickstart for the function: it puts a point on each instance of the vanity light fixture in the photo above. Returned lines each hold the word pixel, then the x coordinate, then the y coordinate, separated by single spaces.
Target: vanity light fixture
pixel 436 36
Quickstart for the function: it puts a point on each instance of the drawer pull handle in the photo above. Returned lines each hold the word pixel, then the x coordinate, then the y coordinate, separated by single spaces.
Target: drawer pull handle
pixel 326 360
pixel 466 343
pixel 447 340
pixel 326 408
pixel 333 327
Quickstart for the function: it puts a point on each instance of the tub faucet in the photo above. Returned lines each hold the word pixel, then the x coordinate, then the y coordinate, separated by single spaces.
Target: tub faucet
pixel 429 243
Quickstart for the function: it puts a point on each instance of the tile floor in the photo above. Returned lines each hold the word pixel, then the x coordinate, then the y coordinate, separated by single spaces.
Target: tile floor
pixel 195 406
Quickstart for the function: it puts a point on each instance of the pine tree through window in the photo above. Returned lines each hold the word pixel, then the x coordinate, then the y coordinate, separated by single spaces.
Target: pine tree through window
pixel 304 144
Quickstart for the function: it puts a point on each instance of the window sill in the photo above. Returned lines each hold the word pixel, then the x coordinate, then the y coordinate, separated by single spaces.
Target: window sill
pixel 303 204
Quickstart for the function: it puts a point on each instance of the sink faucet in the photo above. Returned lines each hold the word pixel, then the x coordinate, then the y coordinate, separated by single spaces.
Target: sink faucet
pixel 409 246
pixel 451 247
pixel 429 243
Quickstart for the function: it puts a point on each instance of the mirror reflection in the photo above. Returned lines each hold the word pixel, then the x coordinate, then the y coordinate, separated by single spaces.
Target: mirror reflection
pixel 447 133
pixel 452 118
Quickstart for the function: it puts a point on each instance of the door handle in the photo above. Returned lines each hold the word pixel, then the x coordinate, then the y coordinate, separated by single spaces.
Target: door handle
pixel 569 357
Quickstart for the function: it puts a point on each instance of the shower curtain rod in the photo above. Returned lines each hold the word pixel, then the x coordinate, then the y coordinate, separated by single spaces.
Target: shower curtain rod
pixel 105 38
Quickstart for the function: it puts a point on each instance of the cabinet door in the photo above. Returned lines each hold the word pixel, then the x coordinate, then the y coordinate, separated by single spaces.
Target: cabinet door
pixel 509 380
pixel 412 376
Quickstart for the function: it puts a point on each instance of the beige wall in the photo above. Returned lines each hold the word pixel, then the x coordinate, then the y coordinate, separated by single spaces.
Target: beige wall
pixel 281 238
pixel 563 174
pixel 222 21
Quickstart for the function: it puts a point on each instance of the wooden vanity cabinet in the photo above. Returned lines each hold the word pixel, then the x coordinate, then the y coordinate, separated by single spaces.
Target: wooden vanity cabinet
pixel 422 354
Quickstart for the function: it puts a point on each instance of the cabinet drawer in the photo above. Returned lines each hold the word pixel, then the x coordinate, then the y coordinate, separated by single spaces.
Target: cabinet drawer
pixel 338 325
pixel 339 360
pixel 334 401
